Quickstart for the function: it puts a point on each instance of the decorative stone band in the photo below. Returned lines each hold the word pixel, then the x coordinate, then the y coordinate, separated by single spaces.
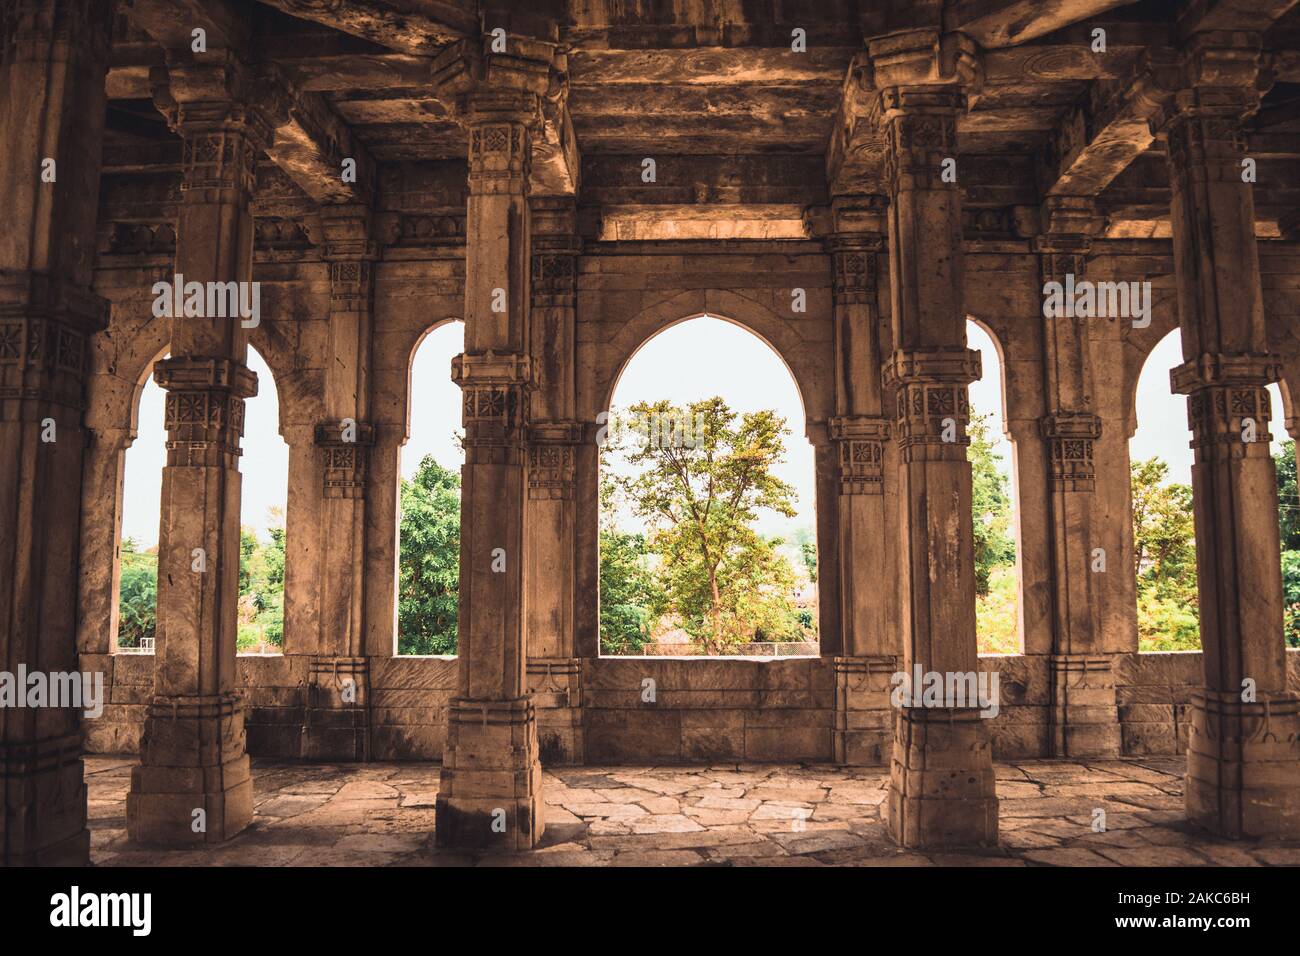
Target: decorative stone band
pixel 195 706
pixel 347 455
pixel 494 387
pixel 1070 437
pixel 1082 670
pixel 853 267
pixel 555 271
pixel 932 407
pixel 555 681
pixel 204 414
pixel 865 675
pixel 334 673
pixel 861 441
pixel 44 324
pixel 551 458
pixel 1227 406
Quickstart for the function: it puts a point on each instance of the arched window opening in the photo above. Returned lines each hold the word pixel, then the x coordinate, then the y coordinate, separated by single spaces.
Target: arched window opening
pixel 428 574
pixel 264 489
pixel 1164 533
pixel 264 493
pixel 993 505
pixel 1288 514
pixel 707 526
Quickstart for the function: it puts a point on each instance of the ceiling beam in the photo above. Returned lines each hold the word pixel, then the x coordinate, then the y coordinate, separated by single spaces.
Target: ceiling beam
pixel 1100 137
pixel 1003 23
pixel 410 26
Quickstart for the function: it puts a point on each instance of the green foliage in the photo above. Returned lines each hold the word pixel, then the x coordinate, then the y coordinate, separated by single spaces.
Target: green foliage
pixel 1288 499
pixel 997 613
pixel 261 588
pixel 1164 559
pixel 627 592
pixel 137 596
pixel 1291 597
pixel 990 506
pixel 428 577
pixel 717 578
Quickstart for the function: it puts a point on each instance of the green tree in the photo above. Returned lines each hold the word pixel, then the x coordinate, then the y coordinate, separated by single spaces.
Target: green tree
pixel 1288 499
pixel 628 589
pixel 1288 517
pixel 718 578
pixel 428 577
pixel 137 610
pixel 1164 559
pixel 261 586
pixel 990 506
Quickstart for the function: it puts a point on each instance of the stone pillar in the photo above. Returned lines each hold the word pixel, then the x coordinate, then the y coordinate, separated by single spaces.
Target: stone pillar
pixel 941 780
pixel 491 784
pixel 1243 759
pixel 336 724
pixel 193 755
pixel 52 68
pixel 868 612
pixel 554 668
pixel 1084 718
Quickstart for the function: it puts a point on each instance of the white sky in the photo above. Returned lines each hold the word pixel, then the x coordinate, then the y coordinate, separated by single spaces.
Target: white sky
pixel 265 462
pixel 687 362
pixel 435 401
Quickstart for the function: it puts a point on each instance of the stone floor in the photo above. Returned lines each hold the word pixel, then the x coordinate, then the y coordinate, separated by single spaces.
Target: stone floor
pixel 730 815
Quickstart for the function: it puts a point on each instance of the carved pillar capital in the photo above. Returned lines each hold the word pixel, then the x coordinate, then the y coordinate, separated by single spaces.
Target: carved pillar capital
pixel 853 266
pixel 932 407
pixel 494 386
pixel 555 270
pixel 860 439
pixel 1227 400
pixel 204 413
pixel 1070 437
pixel 347 447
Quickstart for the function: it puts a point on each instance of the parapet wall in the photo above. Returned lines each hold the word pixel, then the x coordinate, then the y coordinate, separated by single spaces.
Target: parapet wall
pixel 659 710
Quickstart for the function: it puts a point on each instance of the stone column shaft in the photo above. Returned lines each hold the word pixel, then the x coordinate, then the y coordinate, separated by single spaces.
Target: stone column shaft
pixel 1084 719
pixel 554 435
pixel 491 788
pixel 52 70
pixel 1243 761
pixel 336 723
pixel 941 781
pixel 193 755
pixel 868 614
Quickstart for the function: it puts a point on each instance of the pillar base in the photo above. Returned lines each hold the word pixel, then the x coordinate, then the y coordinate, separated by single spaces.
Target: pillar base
pixel 192 758
pixel 44 821
pixel 1243 765
pixel 555 684
pixel 941 783
pixel 863 735
pixel 490 789
pixel 336 720
pixel 1085 718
